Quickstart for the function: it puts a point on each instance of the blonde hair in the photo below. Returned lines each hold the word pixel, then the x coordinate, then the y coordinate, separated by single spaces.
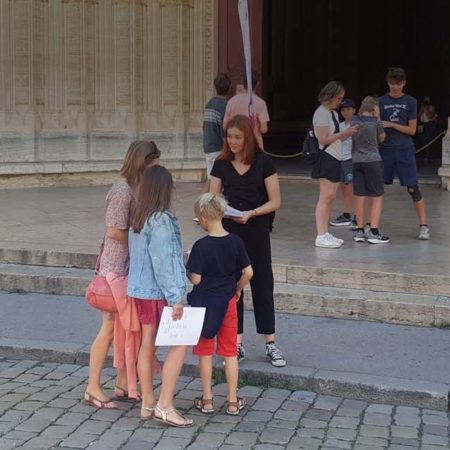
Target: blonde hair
pixel 210 206
pixel 368 105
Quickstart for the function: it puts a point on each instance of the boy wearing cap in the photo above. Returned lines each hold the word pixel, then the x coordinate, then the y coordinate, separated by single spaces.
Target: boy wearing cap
pixel 398 113
pixel 347 110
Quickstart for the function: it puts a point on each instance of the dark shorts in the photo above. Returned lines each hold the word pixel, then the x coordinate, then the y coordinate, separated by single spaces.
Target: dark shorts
pixel 400 162
pixel 327 167
pixel 347 171
pixel 368 179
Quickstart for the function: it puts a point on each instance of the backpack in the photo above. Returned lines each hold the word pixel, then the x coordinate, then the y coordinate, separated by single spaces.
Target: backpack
pixel 311 150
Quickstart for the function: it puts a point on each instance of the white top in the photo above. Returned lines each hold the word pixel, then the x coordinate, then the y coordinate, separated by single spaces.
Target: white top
pixel 346 143
pixel 322 118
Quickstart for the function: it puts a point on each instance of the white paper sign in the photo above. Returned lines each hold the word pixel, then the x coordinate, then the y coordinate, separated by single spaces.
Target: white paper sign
pixel 232 213
pixel 185 331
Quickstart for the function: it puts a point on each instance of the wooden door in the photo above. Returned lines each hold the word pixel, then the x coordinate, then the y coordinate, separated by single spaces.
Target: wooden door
pixel 231 53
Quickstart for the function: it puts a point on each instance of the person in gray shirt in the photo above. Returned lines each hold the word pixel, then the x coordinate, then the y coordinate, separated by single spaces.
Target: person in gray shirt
pixel 368 180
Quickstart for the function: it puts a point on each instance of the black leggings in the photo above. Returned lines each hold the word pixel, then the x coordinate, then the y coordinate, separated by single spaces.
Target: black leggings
pixel 256 236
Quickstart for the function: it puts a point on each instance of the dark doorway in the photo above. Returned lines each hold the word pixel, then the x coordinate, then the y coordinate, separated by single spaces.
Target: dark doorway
pixel 307 43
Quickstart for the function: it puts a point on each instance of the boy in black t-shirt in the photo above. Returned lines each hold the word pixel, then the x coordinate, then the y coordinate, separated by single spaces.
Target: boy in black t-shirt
pixel 219 268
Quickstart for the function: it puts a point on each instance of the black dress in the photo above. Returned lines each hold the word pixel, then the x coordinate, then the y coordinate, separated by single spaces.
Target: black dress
pixel 246 192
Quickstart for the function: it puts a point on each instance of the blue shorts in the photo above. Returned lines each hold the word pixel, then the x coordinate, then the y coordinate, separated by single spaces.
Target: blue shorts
pixel 347 171
pixel 400 162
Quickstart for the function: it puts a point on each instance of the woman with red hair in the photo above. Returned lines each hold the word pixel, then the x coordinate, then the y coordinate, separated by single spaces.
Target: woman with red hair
pixel 249 181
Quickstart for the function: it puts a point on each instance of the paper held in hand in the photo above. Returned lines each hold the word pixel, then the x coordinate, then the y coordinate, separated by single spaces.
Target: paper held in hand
pixel 185 331
pixel 232 213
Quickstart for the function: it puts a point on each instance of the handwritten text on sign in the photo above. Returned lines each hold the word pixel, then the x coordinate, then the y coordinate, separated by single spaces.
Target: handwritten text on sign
pixel 185 331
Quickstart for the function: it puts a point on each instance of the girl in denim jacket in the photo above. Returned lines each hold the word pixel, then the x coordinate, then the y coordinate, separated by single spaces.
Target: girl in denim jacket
pixel 157 278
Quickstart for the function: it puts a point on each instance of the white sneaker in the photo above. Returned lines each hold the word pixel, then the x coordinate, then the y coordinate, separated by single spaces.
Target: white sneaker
pixel 424 233
pixel 335 238
pixel 328 241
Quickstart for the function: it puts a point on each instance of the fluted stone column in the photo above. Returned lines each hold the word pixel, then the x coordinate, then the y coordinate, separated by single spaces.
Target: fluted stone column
pixel 81 79
pixel 444 170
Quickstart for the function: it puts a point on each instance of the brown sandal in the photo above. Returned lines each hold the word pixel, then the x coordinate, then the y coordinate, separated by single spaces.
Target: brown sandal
pixel 122 394
pixel 239 405
pixel 187 423
pixel 201 402
pixel 90 400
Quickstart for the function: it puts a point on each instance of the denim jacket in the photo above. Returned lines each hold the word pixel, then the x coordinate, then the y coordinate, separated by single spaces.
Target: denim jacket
pixel 156 260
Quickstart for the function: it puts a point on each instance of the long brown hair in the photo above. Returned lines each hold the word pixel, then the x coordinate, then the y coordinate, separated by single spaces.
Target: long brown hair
pixel 243 124
pixel 139 154
pixel 154 195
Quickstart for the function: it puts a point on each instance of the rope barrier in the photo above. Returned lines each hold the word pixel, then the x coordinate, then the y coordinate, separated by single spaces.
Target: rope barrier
pixel 283 156
pixel 295 155
pixel 441 134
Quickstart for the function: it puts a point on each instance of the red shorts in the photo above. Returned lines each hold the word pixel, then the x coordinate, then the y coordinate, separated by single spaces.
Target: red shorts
pixel 150 311
pixel 226 337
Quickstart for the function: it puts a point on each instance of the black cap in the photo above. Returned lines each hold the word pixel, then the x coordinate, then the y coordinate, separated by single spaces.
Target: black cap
pixel 347 103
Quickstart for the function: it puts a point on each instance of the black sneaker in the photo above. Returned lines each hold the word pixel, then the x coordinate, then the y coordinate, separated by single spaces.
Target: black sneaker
pixel 377 238
pixel 359 236
pixel 275 355
pixel 341 221
pixel 240 354
pixel 353 225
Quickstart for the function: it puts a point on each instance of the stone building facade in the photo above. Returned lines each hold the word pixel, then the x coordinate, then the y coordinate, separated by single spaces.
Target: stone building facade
pixel 81 79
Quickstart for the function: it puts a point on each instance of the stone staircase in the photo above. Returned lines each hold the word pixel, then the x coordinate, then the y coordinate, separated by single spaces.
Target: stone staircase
pixel 410 299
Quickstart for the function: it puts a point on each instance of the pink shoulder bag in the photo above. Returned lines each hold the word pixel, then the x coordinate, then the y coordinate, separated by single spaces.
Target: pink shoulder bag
pixel 98 293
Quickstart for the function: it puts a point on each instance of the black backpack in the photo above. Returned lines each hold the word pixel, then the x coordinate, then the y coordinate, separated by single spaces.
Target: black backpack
pixel 311 150
pixel 310 147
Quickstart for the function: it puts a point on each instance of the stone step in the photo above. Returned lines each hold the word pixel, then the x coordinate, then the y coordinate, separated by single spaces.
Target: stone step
pixel 47 258
pixel 388 307
pixel 44 279
pixel 411 283
pixel 359 304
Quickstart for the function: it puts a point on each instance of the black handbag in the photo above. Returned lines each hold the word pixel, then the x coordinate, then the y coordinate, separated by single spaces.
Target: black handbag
pixel 311 150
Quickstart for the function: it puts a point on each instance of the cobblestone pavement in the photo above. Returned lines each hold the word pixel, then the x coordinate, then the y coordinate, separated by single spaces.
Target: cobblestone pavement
pixel 40 408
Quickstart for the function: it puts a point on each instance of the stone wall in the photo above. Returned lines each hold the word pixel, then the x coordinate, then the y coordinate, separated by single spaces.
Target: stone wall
pixel 81 79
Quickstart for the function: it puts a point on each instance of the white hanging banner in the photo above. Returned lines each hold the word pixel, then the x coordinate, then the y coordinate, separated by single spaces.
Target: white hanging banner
pixel 245 28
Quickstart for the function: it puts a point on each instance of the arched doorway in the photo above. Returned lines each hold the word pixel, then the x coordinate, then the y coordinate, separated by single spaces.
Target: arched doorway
pixel 299 45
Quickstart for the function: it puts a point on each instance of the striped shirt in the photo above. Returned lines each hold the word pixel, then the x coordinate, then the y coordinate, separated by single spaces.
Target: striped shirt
pixel 213 125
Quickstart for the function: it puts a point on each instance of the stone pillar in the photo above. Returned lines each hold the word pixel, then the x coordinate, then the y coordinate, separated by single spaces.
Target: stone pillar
pixel 444 170
pixel 81 79
pixel 17 122
pixel 180 61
